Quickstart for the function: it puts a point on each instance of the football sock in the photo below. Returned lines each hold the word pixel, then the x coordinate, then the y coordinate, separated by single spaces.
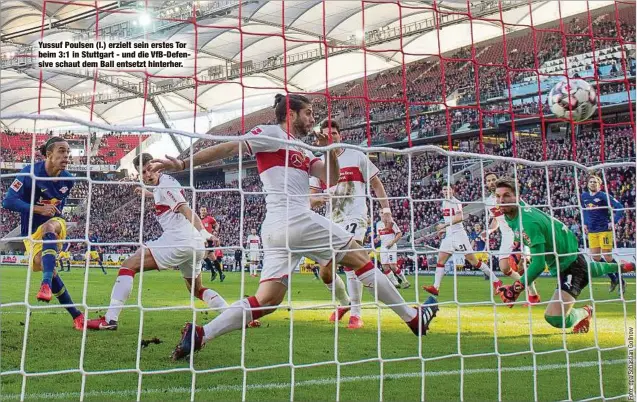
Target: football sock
pixel 576 315
pixel 316 272
pixel 120 293
pixel 379 284
pixel 355 290
pixel 212 298
pixel 390 275
pixel 232 318
pixel 217 266
pixel 63 296
pixel 440 272
pixel 49 258
pixel 513 275
pixel 339 290
pixel 487 271
pixel 401 274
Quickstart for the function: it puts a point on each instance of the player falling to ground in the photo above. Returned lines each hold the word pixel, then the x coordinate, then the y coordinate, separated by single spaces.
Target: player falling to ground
pixel 547 237
pixel 96 253
pixel 389 234
pixel 498 222
pixel 181 245
pixel 290 227
pixel 455 240
pixel 65 256
pixel 598 225
pixel 348 209
pixel 47 222
pixel 253 244
pixel 212 227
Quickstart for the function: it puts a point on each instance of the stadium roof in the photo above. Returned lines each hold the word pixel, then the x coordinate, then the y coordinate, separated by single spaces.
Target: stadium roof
pixel 341 22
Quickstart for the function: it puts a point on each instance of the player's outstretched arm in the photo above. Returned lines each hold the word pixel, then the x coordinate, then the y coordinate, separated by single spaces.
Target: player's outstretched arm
pixel 207 155
pixel 379 191
pixel 185 210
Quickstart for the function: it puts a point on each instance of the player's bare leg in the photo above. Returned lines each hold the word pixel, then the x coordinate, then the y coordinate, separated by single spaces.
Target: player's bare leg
pixel 208 296
pixel 477 263
pixel 335 284
pixel 577 318
pixel 389 273
pixel 440 273
pixel 142 259
pixel 61 293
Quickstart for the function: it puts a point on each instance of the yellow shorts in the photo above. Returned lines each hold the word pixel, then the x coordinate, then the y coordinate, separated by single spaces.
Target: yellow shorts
pixel 64 255
pixel 94 255
pixel 35 248
pixel 603 240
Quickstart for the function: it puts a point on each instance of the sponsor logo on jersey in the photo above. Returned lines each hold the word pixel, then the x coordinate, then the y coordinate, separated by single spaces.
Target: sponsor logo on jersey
pixel 63 190
pixel 16 185
pixel 52 201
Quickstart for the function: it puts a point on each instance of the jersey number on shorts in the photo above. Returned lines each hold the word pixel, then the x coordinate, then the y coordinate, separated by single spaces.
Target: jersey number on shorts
pixel 351 228
pixel 462 247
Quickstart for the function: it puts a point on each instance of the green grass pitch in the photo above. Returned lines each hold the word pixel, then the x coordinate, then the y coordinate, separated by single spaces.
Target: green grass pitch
pixel 458 355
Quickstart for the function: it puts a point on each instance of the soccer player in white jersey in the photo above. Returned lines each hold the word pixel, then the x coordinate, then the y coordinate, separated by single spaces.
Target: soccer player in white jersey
pixel 348 208
pixel 181 245
pixel 507 246
pixel 455 240
pixel 254 251
pixel 389 234
pixel 291 229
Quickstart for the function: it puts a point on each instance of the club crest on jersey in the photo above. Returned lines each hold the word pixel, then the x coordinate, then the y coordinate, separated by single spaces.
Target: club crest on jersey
pixel 16 185
pixel 596 199
pixel 63 190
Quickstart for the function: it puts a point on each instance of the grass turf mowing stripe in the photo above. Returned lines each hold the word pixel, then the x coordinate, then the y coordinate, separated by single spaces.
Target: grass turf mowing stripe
pixel 320 381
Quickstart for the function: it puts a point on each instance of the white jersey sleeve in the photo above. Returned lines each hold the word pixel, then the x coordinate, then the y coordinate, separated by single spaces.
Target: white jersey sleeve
pixel 170 194
pixel 316 184
pixel 260 140
pixel 368 169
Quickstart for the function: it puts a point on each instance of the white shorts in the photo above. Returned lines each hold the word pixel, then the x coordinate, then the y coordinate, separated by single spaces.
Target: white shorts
pixel 169 254
pixel 254 256
pixel 506 247
pixel 356 227
pixel 457 241
pixel 388 257
pixel 286 241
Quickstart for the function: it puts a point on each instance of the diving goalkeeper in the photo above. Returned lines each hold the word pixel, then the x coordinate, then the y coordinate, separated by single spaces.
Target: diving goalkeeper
pixel 537 229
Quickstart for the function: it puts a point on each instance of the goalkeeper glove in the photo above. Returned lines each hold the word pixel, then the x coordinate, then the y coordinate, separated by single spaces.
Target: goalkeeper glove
pixel 510 293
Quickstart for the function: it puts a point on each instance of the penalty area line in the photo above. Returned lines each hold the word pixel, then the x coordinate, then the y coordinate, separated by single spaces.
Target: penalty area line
pixel 305 383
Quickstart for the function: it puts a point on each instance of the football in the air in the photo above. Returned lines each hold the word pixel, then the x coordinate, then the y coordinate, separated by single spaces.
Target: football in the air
pixel 577 93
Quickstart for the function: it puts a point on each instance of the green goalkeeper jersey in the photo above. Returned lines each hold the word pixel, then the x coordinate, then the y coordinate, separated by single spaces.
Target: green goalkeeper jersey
pixel 537 234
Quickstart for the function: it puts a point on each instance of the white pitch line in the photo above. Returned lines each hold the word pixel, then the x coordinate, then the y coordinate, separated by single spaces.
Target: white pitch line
pixel 306 383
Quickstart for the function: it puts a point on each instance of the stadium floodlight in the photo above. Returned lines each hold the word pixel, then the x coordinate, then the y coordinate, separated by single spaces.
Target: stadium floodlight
pixel 144 19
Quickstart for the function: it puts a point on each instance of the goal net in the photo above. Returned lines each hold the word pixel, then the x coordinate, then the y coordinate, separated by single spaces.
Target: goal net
pixel 433 98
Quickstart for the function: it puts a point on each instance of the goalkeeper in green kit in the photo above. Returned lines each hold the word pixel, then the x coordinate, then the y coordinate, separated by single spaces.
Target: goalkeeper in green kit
pixel 560 252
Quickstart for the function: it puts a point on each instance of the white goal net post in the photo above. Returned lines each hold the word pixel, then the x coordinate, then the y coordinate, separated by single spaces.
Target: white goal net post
pixel 514 166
